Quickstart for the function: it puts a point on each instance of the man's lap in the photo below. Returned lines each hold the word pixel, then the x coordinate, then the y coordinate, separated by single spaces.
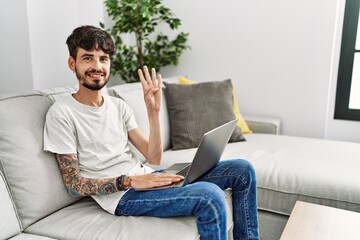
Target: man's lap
pixel 168 202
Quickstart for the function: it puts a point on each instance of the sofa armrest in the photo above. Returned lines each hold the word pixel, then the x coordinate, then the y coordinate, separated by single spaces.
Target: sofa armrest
pixel 259 124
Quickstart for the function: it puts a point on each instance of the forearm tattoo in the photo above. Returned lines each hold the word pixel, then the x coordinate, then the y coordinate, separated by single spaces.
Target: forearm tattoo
pixel 78 185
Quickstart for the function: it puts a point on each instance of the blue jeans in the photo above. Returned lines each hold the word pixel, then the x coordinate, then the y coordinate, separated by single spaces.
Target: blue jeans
pixel 204 199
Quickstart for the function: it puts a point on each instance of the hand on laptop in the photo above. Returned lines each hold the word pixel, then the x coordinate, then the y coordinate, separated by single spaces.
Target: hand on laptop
pixel 154 180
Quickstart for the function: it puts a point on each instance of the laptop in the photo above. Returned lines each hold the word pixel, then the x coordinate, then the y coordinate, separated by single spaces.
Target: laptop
pixel 208 154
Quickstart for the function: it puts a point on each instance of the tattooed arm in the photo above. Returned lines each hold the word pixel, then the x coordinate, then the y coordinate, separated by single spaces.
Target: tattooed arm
pixel 80 186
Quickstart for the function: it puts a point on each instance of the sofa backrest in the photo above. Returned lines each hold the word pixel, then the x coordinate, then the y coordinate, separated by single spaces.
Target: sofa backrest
pixel 9 225
pixel 32 175
pixel 133 95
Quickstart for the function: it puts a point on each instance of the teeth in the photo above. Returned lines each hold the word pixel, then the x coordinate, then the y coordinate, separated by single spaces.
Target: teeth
pixel 95 75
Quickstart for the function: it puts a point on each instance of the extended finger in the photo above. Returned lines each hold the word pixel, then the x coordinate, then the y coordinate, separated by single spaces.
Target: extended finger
pixel 147 76
pixel 159 81
pixel 142 79
pixel 153 77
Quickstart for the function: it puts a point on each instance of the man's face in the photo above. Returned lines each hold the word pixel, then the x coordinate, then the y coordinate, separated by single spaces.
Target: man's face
pixel 92 68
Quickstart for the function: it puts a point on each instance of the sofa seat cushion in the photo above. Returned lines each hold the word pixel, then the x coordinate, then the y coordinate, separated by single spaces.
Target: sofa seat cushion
pixel 86 220
pixel 295 168
pixel 25 236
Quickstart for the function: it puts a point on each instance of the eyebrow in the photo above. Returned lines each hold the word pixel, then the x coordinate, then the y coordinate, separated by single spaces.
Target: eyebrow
pixel 92 55
pixel 86 55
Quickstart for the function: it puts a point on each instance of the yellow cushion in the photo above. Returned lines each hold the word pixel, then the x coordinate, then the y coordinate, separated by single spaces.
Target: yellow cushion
pixel 241 122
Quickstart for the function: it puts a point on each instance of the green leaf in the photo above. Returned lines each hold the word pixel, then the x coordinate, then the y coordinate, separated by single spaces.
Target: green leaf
pixel 141 17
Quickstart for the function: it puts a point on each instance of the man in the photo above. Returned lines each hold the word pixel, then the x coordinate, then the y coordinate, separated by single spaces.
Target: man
pixel 90 134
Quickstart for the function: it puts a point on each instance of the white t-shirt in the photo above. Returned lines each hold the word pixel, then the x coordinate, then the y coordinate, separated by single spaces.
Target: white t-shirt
pixel 99 135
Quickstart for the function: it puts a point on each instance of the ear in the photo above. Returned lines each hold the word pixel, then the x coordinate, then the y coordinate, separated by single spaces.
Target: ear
pixel 71 63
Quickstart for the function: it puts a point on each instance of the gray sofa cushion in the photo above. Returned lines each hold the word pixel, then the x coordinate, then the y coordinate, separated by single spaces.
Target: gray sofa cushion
pixel 86 220
pixel 9 224
pixel 32 175
pixel 55 94
pixel 197 108
pixel 295 168
pixel 25 236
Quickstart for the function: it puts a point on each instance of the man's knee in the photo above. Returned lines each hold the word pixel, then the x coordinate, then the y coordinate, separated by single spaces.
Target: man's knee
pixel 210 192
pixel 250 169
pixel 244 171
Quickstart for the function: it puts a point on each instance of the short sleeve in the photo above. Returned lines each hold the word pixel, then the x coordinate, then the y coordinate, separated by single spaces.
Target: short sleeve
pixel 59 134
pixel 128 116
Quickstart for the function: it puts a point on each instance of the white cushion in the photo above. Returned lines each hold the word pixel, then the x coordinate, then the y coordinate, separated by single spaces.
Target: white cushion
pixel 55 94
pixel 25 236
pixel 86 220
pixel 296 168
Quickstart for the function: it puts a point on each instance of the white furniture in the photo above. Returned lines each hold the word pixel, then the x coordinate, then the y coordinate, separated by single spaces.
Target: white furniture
pixel 34 203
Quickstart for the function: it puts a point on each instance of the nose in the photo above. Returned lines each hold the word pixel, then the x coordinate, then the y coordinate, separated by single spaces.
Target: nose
pixel 97 64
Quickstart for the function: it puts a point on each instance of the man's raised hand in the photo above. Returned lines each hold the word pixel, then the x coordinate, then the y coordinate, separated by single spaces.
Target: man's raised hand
pixel 152 89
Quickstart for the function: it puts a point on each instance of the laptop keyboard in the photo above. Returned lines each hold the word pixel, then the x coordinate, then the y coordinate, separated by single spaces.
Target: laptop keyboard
pixel 184 171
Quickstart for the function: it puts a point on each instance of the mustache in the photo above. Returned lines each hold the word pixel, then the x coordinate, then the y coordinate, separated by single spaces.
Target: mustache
pixel 93 70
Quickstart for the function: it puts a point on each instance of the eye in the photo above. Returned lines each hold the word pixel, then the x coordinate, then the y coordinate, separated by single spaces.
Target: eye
pixel 87 58
pixel 104 59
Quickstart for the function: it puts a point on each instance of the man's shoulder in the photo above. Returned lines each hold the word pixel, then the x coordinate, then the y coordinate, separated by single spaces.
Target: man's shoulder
pixel 119 105
pixel 61 104
pixel 115 100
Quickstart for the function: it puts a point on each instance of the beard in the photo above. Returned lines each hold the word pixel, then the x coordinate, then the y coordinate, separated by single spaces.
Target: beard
pixel 96 84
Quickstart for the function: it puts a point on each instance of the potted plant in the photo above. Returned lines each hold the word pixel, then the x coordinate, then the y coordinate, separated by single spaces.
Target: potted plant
pixel 140 18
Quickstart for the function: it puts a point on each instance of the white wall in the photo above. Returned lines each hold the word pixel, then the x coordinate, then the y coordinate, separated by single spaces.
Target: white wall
pixel 279 54
pixel 50 22
pixel 35 33
pixel 15 58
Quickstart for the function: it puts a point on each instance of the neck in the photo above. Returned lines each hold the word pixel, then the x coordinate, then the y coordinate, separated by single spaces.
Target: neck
pixel 89 97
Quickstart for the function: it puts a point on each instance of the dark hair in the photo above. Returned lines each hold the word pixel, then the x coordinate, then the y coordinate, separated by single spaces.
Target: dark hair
pixel 90 38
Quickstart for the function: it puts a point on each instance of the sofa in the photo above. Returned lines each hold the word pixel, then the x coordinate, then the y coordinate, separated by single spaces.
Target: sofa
pixel 35 205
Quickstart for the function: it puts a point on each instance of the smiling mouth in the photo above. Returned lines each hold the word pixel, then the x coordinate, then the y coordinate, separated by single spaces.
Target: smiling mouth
pixel 95 75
